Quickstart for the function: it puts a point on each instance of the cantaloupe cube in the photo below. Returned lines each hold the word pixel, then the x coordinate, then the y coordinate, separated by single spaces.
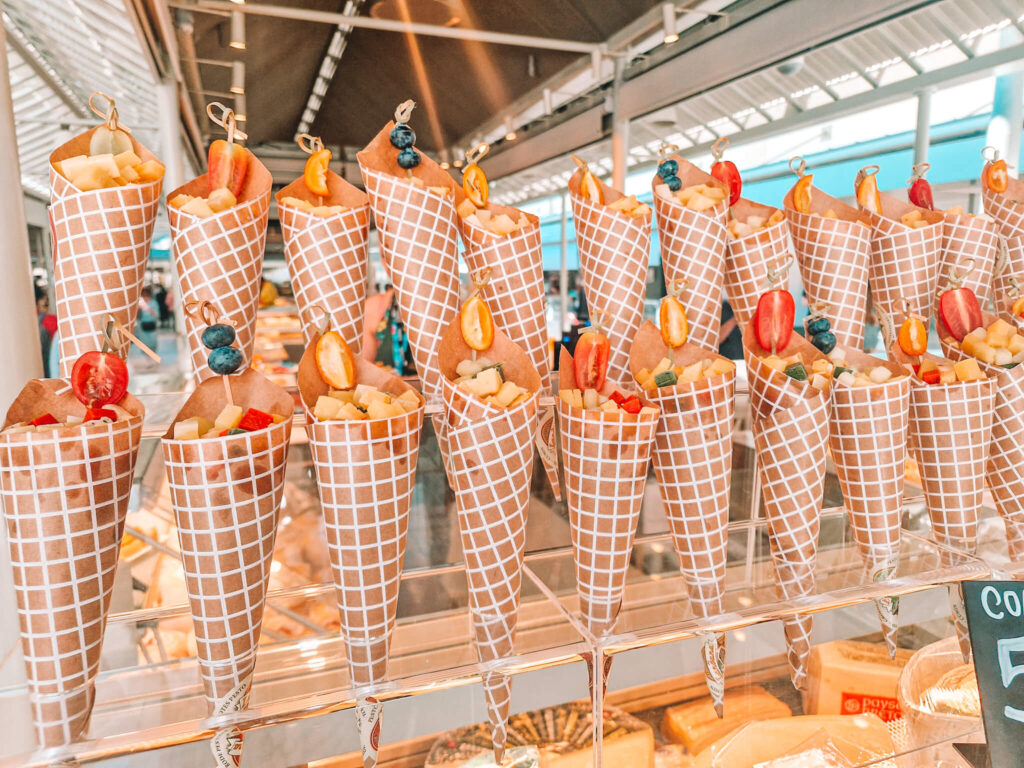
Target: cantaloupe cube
pixel 349 411
pixel 73 166
pixel 715 193
pixel 228 418
pixel 721 365
pixel 662 366
pixel 378 409
pixel 928 365
pixel 221 199
pixel 1001 330
pixel 197 206
pixel 326 407
pixel 187 429
pixel 947 374
pixel 700 203
pixel 151 170
pixel 774 362
pixel 1003 357
pixel 130 175
pixel 830 214
pixel 468 368
pixel 179 200
pixel 691 373
pixel 322 211
pixel 985 353
pixel 408 400
pixel 609 406
pixel 968 370
pixel 775 218
pixel 956 210
pixel 127 159
pixel 1015 344
pixel 502 224
pixel 509 392
pixel 908 219
pixel 345 395
pixel 487 382
pixel 92 177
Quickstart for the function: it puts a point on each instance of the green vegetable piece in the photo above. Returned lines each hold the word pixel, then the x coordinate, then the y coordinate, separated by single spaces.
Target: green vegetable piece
pixel 1011 365
pixel 666 379
pixel 839 370
pixel 236 431
pixel 796 371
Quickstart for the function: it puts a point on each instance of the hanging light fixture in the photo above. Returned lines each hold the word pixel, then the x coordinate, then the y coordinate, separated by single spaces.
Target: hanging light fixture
pixel 237 77
pixel 668 15
pixel 510 132
pixel 237 30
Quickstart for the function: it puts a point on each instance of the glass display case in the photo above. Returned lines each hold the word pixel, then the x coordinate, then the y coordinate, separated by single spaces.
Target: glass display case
pixel 150 708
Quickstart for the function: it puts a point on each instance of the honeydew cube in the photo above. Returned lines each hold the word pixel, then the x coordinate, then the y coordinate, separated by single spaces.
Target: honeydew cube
pixel 721 365
pixel 326 407
pixel 187 429
pixel 179 200
pixel 947 374
pixel 221 199
pixel 1003 357
pixel 127 159
pixel 151 170
pixel 590 400
pixel 228 418
pixel 487 382
pixel 1016 344
pixel 662 366
pixel 968 370
pixel 197 206
pixel 350 412
pixel 73 166
pixel 465 208
pixel 509 392
pixel 880 374
pixel 691 373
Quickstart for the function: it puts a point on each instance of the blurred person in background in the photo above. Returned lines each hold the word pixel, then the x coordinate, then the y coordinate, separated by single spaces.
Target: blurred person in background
pixel 147 320
pixel 47 329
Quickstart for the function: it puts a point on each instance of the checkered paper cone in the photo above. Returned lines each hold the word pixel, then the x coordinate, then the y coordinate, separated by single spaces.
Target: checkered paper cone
pixel 327 257
pixel 693 245
pixel 226 495
pixel 614 251
pixel 515 292
pixel 101 245
pixel 692 458
pixel 65 496
pixel 1009 218
pixel 868 438
pixel 748 259
pixel 833 256
pixel 366 472
pixel 790 438
pixel 492 462
pixel 220 259
pixel 966 237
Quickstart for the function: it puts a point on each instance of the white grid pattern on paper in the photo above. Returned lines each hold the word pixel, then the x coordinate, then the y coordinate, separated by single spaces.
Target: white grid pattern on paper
pixel 101 245
pixel 65 496
pixel 614 252
pixel 748 259
pixel 1003 292
pixel 1009 219
pixel 966 237
pixel 226 493
pixel 327 258
pixel 904 264
pixel 220 259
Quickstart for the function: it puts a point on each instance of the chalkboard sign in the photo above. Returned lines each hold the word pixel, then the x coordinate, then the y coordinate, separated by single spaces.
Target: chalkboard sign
pixel 995 618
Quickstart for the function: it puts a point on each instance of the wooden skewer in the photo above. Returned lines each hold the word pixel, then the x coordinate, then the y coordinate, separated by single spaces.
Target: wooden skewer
pixel 227 390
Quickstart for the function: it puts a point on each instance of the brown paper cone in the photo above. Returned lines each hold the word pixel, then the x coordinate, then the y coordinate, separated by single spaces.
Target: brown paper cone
pixel 692 458
pixel 1004 294
pixel 614 252
pixel 327 257
pixel 964 238
pixel 1009 219
pixel 226 495
pixel 101 245
pixel 833 256
pixel 366 473
pixel 790 437
pixel 65 496
pixel 693 245
pixel 868 438
pixel 748 259
pixel 220 259
pixel 492 461
pixel 515 292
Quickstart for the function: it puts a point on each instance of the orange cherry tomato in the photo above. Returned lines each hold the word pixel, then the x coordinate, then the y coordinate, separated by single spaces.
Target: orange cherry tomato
pixel 474 184
pixel 315 174
pixel 590 360
pixel 1018 307
pixel 334 361
pixel 995 176
pixel 913 336
pixel 674 326
pixel 228 164
pixel 867 194
pixel 476 324
pixel 591 189
pixel 802 193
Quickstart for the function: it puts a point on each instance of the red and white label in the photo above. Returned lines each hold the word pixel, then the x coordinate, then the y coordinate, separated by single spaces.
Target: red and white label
pixel 865 704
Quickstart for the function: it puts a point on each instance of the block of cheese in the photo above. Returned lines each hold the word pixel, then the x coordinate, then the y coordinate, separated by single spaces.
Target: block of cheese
pixel 695 724
pixel 847 677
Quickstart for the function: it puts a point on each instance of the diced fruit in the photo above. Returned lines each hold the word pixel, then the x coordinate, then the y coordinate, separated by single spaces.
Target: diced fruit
pixel 96 414
pixel 590 399
pixel 334 361
pixel 186 430
pixel 127 159
pixel 508 393
pixel 99 378
pixel 839 370
pixel 379 409
pixel 931 376
pixel 178 201
pixel 590 361
pixel 73 166
pixel 632 404
pixel 220 200
pixel 721 365
pixel 315 173
pixel 880 374
pixel 46 418
pixel 476 324
pixel 228 418
pixel 254 419
pixel 469 367
pixel 326 407
pixel 968 370
pixel 630 206
pixel 487 382
pixel 349 411
pixel 228 165
pixel 610 406
pixel 151 170
pixel 197 206
pixel 947 374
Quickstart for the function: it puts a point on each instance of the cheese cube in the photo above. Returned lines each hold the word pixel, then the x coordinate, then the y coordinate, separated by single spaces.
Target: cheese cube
pixel 487 382
pixel 326 407
pixel 187 429
pixel 228 418
pixel 509 392
pixel 127 159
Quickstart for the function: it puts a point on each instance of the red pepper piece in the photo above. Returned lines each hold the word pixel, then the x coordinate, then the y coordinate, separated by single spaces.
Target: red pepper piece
pixel 931 377
pixel 42 421
pixel 632 404
pixel 95 414
pixel 254 419
pixel 617 397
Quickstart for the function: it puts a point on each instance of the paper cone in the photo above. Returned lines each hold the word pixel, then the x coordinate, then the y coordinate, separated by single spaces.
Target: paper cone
pixel 833 256
pixel 790 428
pixel 226 495
pixel 904 260
pixel 492 461
pixel 692 458
pixel 605 458
pixel 868 438
pixel 748 259
pixel 614 251
pixel 1009 219
pixel 693 245
pixel 220 259
pixel 327 257
pixel 101 245
pixel 65 496
pixel 366 472
pixel 515 293
pixel 964 238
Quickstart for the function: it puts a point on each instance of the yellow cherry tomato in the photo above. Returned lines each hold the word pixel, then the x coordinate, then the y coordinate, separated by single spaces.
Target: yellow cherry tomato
pixel 474 184
pixel 802 193
pixel 867 194
pixel 913 336
pixel 315 174
pixel 476 324
pixel 674 326
pixel 334 361
pixel 591 189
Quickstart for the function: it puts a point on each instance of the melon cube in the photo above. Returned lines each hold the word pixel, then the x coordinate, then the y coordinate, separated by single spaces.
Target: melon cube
pixel 179 200
pixel 609 406
pixel 106 162
pixel 297 202
pixel 846 379
pixel 956 210
pixel 187 429
pixel 92 177
pixel 378 409
pixel 127 159
pixel 774 362
pixel 721 365
pixel 325 408
pixel 1015 344
pixel 197 206
pixel 700 203
pixel 501 224
pixel 927 365
pixel 691 373
pixel 968 370
pixel 775 218
pixel 880 374
pixel 662 366
pixel 468 368
pixel 349 411
pixel 908 219
pixel 1003 357
pixel 129 174
pixel 408 400
pixel 344 395
pixel 590 400
pixel 151 170
pixel 509 392
pixel 228 418
pixel 715 193
pixel 73 166
pixel 644 374
pixel 985 353
pixel 465 208
pixel 947 374
pixel 648 411
pixel 1000 330
pixel 221 199
pixel 322 211
pixel 487 382
pixel 830 214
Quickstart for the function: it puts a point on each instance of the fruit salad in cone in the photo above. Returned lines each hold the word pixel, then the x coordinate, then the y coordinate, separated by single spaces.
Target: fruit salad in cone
pixel 365 466
pixel 325 222
pixel 613 236
pixel 758 241
pixel 1003 200
pixel 104 194
pixel 67 461
pixel 490 396
pixel 692 458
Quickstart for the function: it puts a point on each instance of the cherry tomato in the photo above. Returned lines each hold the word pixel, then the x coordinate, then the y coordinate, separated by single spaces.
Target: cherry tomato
pixel 590 188
pixel 867 194
pixel 960 312
pixel 674 326
pixel 1018 307
pixel 995 176
pixel 334 361
pixel 228 164
pixel 920 194
pixel 802 193
pixel 773 319
pixel 913 336
pixel 476 324
pixel 315 173
pixel 727 172
pixel 474 184
pixel 590 361
pixel 99 378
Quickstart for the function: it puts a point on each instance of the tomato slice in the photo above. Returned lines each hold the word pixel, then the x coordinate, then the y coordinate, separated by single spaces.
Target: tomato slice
pixel 773 320
pixel 913 336
pixel 727 172
pixel 960 312
pixel 474 184
pixel 334 361
pixel 802 193
pixel 867 194
pixel 228 164
pixel 99 378
pixel 591 189
pixel 995 176
pixel 920 194
pixel 590 361
pixel 476 324
pixel 674 326
pixel 315 172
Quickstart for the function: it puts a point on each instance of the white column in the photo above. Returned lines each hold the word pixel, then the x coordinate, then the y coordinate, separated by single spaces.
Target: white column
pixel 174 160
pixel 922 134
pixel 1004 128
pixel 563 275
pixel 620 132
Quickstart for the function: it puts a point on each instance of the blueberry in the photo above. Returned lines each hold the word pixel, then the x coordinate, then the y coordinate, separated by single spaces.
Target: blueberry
pixel 402 136
pixel 219 335
pixel 225 360
pixel 818 325
pixel 674 183
pixel 825 341
pixel 667 169
pixel 408 159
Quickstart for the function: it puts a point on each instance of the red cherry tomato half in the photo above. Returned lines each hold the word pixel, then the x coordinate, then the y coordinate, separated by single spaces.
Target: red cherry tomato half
pixel 228 164
pixel 727 173
pixel 99 378
pixel 590 361
pixel 960 312
pixel 920 194
pixel 773 320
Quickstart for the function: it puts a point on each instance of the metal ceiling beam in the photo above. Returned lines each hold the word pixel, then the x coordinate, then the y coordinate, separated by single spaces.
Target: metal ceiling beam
pixel 53 79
